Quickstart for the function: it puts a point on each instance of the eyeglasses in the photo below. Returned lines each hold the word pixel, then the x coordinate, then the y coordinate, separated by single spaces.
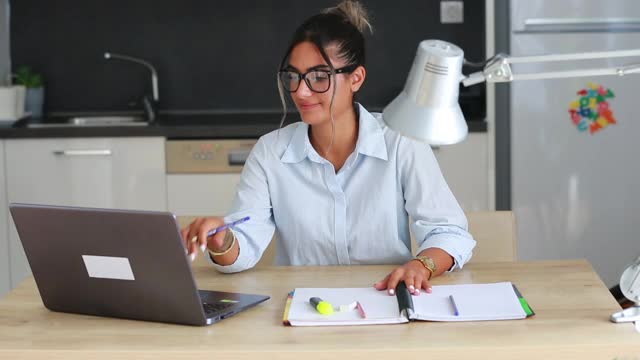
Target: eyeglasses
pixel 318 81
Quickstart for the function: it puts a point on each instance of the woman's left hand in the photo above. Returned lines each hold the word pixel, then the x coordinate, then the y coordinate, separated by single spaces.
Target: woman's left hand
pixel 414 275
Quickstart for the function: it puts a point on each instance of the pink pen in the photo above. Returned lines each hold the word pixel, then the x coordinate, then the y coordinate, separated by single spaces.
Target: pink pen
pixel 361 310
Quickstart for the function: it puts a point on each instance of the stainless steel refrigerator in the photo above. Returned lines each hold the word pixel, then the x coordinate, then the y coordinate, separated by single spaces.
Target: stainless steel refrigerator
pixel 575 169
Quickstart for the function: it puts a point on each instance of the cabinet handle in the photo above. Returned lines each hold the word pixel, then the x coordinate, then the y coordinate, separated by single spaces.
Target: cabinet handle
pixel 89 152
pixel 566 25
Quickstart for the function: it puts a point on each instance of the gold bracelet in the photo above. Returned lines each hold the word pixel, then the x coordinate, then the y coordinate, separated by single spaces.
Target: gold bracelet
pixel 428 264
pixel 223 252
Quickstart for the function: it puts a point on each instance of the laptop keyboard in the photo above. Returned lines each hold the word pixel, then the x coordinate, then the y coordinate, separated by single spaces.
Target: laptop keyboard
pixel 215 308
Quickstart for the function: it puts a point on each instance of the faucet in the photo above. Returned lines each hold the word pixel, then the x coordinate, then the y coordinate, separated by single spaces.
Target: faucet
pixel 149 105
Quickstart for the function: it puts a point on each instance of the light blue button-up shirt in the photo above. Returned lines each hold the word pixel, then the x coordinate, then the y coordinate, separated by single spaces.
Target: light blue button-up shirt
pixel 359 215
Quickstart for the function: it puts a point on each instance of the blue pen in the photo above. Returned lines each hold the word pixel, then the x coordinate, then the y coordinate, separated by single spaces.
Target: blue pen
pixel 226 226
pixel 455 307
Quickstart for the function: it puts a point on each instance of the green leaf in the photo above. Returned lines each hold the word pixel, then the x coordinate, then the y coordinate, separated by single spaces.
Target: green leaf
pixel 25 76
pixel 36 81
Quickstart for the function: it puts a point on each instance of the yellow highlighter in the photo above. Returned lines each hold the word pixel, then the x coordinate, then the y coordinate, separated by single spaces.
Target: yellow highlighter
pixel 321 306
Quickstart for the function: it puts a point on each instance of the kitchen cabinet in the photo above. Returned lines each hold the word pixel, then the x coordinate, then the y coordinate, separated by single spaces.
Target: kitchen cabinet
pixel 123 172
pixel 202 175
pixel 201 194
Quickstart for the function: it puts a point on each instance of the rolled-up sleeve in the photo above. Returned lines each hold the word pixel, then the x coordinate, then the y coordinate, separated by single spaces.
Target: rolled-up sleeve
pixel 437 221
pixel 252 199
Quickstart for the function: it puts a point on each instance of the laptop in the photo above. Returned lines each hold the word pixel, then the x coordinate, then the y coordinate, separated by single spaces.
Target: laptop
pixel 118 263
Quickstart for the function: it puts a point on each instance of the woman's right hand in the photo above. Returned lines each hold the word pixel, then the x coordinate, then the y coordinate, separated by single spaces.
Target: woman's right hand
pixel 195 235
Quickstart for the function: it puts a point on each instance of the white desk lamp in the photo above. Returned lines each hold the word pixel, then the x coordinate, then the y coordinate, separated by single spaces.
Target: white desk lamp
pixel 427 109
pixel 630 287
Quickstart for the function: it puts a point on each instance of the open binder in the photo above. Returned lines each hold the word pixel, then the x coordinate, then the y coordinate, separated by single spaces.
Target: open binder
pixel 467 302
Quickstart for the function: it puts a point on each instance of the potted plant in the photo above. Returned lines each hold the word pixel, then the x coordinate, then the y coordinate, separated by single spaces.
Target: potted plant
pixel 35 90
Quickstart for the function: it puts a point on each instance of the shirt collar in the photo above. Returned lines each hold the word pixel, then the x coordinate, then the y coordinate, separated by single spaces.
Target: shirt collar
pixel 370 139
pixel 297 149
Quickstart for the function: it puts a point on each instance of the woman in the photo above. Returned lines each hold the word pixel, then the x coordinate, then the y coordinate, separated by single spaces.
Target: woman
pixel 339 186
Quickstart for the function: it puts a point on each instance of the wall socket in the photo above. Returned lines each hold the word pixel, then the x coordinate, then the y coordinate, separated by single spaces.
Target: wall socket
pixel 451 12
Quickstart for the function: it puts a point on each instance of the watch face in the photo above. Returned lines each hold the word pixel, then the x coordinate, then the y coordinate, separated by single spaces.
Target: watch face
pixel 431 263
pixel 428 262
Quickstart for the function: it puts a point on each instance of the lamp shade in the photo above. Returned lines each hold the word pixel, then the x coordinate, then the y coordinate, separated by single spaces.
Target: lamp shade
pixel 427 109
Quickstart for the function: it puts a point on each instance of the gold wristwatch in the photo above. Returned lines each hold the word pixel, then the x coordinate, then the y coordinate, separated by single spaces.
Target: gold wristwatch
pixel 428 263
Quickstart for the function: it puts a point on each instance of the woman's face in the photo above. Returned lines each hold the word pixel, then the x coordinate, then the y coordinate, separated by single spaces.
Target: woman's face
pixel 314 107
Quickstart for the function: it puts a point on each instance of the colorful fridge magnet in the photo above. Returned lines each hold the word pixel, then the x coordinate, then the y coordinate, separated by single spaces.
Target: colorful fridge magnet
pixel 591 110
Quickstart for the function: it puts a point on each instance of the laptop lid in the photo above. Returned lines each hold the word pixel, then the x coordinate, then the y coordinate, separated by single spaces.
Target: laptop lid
pixel 117 263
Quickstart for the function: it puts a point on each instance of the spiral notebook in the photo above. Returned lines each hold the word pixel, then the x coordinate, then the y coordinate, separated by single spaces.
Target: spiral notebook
pixel 467 302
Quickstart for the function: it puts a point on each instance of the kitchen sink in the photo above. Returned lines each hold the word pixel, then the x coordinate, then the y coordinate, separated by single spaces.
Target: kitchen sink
pixel 82 121
pixel 106 120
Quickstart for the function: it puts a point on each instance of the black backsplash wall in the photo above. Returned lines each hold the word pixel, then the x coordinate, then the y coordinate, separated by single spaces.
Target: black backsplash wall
pixel 213 55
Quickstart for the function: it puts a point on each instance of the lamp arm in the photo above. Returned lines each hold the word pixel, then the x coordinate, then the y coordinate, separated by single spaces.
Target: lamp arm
pixel 575 56
pixel 498 68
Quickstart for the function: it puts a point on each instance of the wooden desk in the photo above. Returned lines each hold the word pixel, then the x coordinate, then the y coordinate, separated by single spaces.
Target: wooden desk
pixel 571 302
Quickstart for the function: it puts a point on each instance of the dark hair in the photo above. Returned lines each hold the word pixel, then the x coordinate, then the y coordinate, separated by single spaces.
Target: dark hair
pixel 343 26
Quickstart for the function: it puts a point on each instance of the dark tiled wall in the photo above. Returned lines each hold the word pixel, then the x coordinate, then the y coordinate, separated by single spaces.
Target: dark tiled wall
pixel 211 55
pixel 4 42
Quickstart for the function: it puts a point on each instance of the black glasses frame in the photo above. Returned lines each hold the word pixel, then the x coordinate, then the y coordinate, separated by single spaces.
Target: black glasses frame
pixel 345 69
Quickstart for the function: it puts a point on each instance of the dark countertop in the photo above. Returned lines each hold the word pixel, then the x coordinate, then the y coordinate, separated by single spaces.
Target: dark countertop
pixel 215 126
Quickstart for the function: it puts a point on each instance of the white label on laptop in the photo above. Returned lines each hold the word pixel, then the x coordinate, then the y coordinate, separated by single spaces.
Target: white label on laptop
pixel 108 267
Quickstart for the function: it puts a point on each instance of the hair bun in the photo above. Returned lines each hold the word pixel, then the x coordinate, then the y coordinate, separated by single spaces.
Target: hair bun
pixel 354 12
